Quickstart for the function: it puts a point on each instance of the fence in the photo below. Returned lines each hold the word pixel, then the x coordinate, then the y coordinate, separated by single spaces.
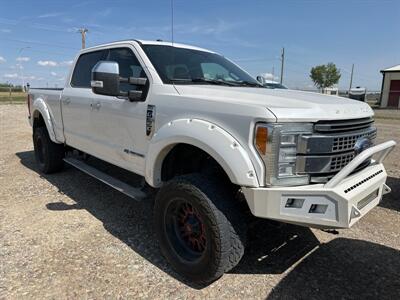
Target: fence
pixel 10 95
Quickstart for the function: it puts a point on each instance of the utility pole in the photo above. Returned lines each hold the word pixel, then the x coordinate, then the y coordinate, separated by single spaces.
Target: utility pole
pixel 351 77
pixel 21 67
pixel 83 32
pixel 282 63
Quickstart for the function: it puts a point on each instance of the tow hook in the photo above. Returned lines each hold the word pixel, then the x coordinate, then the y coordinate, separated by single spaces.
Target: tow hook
pixel 386 189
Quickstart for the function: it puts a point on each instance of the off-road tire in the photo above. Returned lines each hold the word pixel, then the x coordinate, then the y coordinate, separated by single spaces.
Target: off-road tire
pixel 49 155
pixel 222 220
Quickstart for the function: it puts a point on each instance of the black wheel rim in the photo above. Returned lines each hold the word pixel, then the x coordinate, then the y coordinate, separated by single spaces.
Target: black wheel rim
pixel 185 230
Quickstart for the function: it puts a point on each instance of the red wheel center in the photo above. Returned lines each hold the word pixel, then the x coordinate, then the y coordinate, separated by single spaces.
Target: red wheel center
pixel 192 228
pixel 188 228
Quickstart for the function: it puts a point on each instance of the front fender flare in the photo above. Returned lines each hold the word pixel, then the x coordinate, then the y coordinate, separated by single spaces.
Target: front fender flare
pixel 215 141
pixel 39 107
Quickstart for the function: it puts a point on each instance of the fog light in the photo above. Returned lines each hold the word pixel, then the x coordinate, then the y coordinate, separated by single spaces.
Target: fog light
pixel 294 203
pixel 318 208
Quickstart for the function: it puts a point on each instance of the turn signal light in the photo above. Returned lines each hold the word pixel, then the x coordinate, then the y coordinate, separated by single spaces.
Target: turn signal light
pixel 261 139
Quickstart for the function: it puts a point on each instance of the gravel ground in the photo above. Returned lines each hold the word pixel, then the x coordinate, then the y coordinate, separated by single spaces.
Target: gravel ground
pixel 387 114
pixel 68 236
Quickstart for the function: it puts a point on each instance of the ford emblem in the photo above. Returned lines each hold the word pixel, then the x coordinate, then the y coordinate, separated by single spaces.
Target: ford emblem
pixel 361 145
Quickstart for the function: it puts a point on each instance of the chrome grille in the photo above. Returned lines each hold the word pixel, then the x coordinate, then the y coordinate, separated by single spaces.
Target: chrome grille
pixel 347 142
pixel 331 147
pixel 339 162
pixel 333 143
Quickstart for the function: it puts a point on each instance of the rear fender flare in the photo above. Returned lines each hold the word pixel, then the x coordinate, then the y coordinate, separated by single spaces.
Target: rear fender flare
pixel 39 107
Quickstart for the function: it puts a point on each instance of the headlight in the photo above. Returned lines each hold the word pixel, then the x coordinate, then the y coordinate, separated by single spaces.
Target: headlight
pixel 277 146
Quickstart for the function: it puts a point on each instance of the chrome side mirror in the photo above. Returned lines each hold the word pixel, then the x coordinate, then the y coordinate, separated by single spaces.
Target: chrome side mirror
pixel 106 81
pixel 105 78
pixel 261 80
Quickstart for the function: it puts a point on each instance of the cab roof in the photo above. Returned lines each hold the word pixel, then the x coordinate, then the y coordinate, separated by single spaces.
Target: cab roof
pixel 167 43
pixel 149 42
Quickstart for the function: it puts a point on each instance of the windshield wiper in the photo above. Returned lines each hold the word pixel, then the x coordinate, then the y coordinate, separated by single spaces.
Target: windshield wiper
pixel 249 83
pixel 203 80
pixel 213 81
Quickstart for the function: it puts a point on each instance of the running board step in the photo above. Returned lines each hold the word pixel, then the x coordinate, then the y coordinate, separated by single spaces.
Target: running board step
pixel 117 184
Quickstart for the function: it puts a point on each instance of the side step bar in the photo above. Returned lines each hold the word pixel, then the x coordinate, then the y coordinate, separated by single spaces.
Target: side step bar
pixel 117 184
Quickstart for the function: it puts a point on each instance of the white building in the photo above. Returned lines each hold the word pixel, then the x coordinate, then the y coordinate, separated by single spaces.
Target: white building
pixel 390 91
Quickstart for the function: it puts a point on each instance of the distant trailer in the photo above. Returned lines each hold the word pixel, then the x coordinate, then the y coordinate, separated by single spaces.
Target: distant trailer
pixel 358 93
pixel 331 91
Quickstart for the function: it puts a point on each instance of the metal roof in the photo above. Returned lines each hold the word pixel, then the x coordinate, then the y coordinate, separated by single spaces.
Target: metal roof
pixel 392 69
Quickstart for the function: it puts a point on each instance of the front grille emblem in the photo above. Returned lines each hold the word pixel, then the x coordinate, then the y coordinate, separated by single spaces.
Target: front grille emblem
pixel 362 144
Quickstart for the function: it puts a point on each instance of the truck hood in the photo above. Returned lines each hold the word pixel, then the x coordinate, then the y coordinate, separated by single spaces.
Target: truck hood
pixel 286 105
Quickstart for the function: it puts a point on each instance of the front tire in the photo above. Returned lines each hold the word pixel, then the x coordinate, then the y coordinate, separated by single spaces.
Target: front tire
pixel 198 228
pixel 49 155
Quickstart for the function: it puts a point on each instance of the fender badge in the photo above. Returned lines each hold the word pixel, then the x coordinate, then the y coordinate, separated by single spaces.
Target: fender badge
pixel 150 119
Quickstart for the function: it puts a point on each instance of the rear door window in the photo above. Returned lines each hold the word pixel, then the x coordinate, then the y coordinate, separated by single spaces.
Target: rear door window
pixel 83 69
pixel 129 66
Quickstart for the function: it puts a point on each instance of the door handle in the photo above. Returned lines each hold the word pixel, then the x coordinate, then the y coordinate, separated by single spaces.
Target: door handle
pixel 67 100
pixel 95 105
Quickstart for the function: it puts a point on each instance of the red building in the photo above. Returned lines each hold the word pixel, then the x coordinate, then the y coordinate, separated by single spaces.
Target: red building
pixel 390 92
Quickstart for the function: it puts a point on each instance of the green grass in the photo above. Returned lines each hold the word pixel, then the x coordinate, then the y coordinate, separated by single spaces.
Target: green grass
pixel 16 97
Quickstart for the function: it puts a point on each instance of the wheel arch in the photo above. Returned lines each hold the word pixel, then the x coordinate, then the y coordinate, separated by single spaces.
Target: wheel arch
pixel 207 137
pixel 41 116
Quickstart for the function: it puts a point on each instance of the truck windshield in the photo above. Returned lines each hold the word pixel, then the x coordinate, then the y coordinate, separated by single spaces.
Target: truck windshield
pixel 187 66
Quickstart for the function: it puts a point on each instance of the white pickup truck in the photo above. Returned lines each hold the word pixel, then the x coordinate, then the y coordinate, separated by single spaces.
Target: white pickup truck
pixel 210 138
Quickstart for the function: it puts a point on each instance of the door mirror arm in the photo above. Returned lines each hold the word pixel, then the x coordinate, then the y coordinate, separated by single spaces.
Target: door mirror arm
pixel 134 81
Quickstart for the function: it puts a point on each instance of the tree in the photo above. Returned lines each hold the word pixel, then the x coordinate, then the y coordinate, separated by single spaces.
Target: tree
pixel 325 75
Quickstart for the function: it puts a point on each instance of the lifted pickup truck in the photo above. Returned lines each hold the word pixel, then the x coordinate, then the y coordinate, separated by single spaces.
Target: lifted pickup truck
pixel 207 135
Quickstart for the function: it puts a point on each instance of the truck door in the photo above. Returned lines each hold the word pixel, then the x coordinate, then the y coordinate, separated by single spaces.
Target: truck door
pixel 77 101
pixel 118 125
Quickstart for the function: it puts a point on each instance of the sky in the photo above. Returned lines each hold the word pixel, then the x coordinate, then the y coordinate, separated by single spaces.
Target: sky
pixel 39 39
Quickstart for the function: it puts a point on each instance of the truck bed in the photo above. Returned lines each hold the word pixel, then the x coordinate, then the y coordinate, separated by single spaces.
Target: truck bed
pixel 47 89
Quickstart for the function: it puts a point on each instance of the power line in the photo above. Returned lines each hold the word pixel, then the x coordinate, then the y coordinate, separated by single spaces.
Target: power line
pixel 34 25
pixel 253 59
pixel 53 53
pixel 38 43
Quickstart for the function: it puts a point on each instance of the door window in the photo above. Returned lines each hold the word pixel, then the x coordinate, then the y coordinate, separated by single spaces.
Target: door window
pixel 83 68
pixel 129 66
